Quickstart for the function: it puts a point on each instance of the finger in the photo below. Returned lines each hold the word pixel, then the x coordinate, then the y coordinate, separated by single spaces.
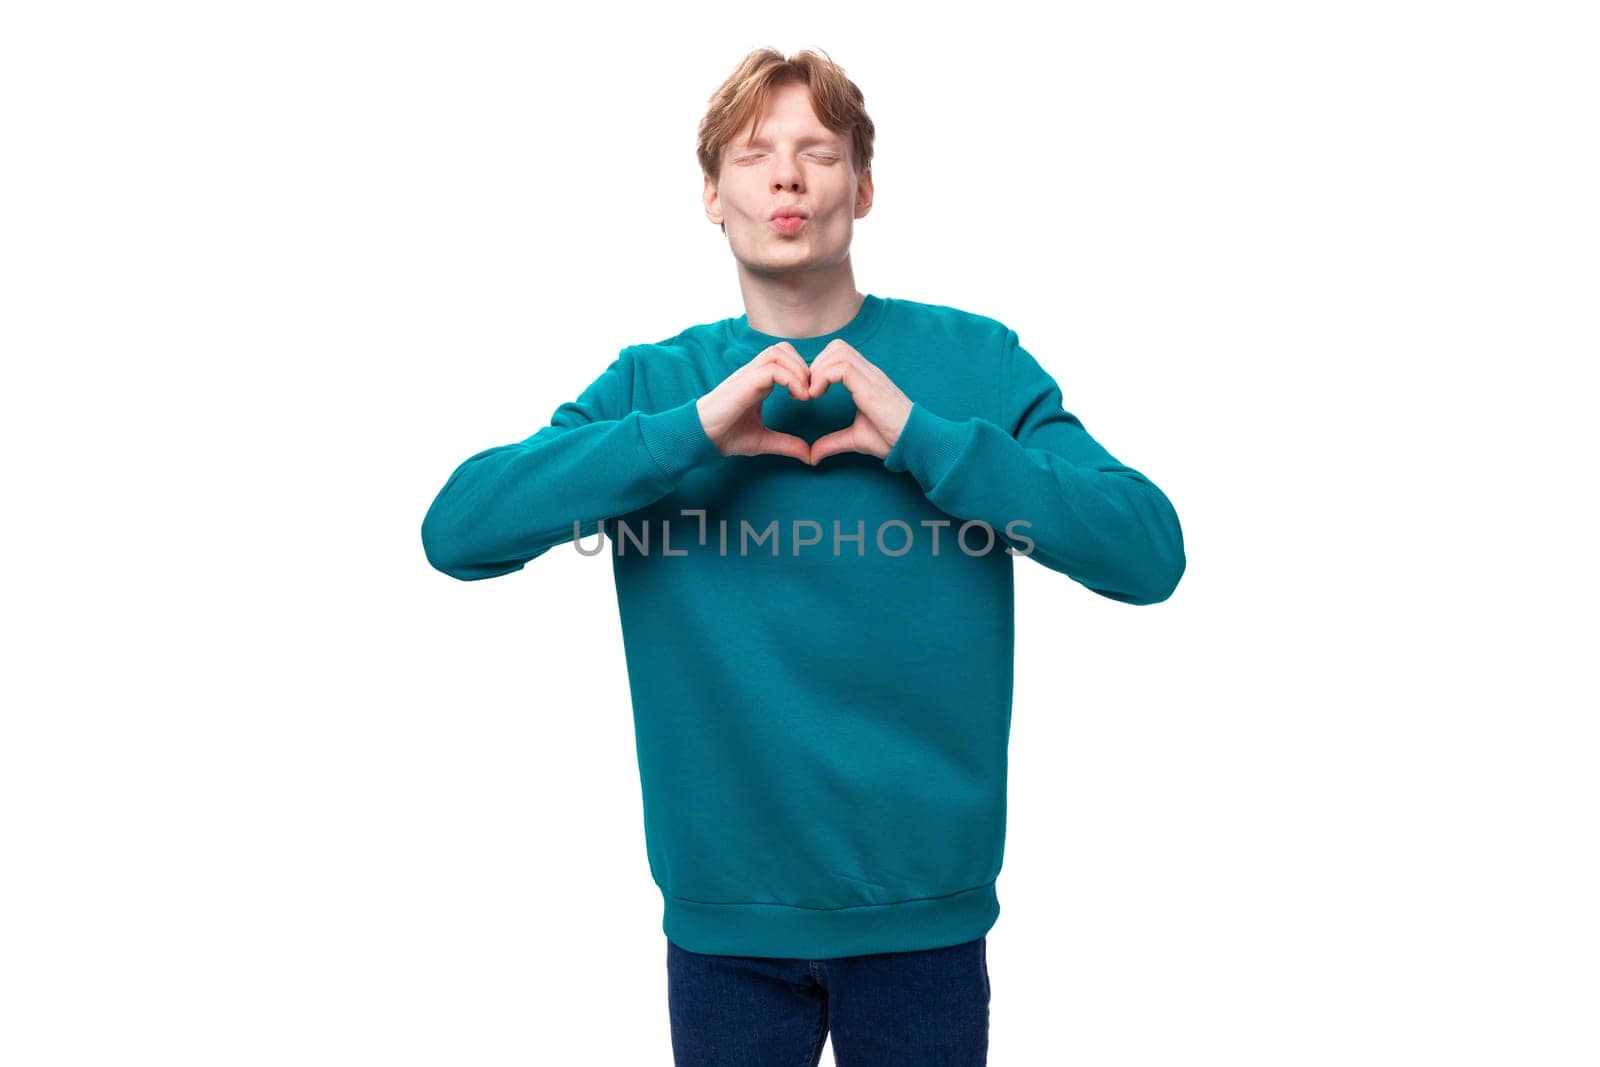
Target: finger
pixel 841 351
pixel 786 355
pixel 783 444
pixel 761 375
pixel 838 369
pixel 837 349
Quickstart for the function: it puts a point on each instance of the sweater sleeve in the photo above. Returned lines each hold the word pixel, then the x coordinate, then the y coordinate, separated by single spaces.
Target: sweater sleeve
pixel 1088 516
pixel 599 458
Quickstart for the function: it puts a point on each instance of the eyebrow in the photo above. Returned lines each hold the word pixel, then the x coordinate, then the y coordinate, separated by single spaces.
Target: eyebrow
pixel 809 139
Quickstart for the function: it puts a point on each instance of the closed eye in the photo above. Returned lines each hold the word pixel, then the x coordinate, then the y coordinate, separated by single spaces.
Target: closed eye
pixel 819 158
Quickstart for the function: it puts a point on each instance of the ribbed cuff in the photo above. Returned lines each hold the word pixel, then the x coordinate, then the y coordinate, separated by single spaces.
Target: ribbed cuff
pixel 928 446
pixel 677 440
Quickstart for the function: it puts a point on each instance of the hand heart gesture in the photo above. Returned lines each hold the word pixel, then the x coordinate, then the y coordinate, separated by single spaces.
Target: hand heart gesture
pixel 731 413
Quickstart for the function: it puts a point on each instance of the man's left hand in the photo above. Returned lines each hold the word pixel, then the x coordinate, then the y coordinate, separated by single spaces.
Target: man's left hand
pixel 881 408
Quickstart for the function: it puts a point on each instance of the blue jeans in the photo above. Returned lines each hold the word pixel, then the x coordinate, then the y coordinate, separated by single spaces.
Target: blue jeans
pixel 929 1008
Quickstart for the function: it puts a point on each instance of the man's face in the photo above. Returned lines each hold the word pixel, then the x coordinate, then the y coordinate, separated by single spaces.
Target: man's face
pixel 793 162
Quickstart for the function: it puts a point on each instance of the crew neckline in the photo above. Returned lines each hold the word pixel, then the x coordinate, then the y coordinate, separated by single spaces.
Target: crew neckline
pixel 853 333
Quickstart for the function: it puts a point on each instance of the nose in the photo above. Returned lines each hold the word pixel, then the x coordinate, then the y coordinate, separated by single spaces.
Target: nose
pixel 786 173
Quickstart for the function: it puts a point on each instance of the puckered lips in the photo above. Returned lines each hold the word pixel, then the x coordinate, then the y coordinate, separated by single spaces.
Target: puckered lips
pixel 788 218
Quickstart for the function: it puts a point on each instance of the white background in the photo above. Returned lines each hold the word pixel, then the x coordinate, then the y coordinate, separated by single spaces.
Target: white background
pixel 272 791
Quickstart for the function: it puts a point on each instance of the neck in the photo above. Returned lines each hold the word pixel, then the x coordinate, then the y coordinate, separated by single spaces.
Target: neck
pixel 800 303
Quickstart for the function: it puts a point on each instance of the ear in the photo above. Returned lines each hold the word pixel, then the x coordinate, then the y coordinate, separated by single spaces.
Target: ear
pixel 713 202
pixel 864 193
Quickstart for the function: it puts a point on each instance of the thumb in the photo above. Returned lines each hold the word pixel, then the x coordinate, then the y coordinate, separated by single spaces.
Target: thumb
pixel 783 444
pixel 838 441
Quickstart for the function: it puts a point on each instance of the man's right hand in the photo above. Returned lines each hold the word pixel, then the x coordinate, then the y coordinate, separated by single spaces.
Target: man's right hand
pixel 731 413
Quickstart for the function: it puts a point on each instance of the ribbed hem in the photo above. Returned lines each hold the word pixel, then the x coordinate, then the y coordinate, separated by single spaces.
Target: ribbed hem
pixel 677 440
pixel 928 446
pixel 822 933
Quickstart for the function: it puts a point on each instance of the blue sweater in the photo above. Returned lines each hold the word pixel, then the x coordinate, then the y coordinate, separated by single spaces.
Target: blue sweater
pixel 821 724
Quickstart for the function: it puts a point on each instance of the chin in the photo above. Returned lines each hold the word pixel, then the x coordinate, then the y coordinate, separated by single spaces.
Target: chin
pixel 777 258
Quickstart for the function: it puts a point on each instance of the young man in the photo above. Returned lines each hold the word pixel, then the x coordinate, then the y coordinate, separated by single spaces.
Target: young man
pixel 815 508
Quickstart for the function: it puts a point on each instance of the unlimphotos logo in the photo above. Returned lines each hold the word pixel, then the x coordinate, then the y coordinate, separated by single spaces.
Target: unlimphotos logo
pixel 888 534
